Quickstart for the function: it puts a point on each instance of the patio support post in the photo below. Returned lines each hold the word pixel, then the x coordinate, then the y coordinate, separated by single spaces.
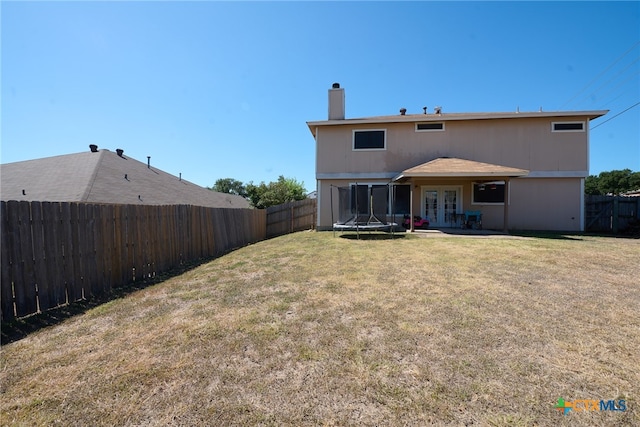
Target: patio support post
pixel 411 228
pixel 505 226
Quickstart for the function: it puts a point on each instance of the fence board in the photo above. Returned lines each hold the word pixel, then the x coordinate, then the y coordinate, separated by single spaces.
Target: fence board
pixel 6 279
pixel 53 253
pixel 611 213
pixel 40 265
pixel 25 296
pixel 290 217
pixel 79 250
pixel 72 253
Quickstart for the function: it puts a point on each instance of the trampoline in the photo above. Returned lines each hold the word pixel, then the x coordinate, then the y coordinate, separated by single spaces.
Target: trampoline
pixel 363 208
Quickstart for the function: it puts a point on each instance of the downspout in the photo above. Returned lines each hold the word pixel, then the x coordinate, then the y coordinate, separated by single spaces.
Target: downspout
pixel 505 226
pixel 582 205
pixel 319 187
pixel 411 228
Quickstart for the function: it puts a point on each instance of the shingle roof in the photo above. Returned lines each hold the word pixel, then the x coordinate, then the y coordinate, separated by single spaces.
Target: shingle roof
pixel 104 177
pixel 454 167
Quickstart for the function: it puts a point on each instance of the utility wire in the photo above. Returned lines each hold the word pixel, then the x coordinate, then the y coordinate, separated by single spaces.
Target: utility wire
pixel 611 118
pixel 610 80
pixel 599 75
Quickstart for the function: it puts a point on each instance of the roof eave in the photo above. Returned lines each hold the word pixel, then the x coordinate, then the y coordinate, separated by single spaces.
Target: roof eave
pixel 460 175
pixel 414 118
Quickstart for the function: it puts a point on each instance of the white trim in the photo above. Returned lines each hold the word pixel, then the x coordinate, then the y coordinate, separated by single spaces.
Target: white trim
pixel 553 125
pixel 557 174
pixel 319 202
pixel 430 130
pixel 590 115
pixel 356 175
pixel 353 140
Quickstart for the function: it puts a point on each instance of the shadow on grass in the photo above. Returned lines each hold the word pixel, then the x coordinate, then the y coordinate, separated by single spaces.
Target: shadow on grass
pixel 569 236
pixel 17 329
pixel 546 235
pixel 373 236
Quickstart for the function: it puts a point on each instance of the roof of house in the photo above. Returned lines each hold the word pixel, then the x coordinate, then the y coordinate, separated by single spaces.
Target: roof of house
pixel 414 118
pixel 445 167
pixel 104 177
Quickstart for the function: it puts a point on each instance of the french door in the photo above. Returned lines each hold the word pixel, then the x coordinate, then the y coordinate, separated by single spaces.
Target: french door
pixel 440 204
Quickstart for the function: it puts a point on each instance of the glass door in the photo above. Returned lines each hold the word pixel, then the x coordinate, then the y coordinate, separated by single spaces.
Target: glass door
pixel 431 210
pixel 441 204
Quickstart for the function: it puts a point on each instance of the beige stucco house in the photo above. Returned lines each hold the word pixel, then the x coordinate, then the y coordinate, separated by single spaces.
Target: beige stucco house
pixel 521 170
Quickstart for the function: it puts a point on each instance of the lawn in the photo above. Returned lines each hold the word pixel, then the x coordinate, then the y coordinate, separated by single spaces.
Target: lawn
pixel 312 329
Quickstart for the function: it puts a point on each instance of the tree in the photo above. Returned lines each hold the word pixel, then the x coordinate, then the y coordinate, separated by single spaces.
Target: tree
pixel 612 182
pixel 230 186
pixel 275 193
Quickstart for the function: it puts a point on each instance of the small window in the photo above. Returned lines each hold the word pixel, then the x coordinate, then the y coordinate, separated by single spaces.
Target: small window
pixel 429 127
pixel 488 192
pixel 567 127
pixel 374 139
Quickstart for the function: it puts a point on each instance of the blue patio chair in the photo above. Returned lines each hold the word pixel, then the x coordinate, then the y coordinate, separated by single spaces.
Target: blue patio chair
pixel 473 219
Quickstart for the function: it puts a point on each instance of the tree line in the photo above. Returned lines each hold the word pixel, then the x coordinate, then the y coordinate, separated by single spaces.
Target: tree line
pixel 263 195
pixel 612 182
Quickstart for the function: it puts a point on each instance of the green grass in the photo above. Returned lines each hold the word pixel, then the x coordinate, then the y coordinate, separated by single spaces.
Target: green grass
pixel 311 329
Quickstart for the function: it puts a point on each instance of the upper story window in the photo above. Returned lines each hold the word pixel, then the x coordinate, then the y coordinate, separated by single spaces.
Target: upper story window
pixel 567 127
pixel 429 127
pixel 370 139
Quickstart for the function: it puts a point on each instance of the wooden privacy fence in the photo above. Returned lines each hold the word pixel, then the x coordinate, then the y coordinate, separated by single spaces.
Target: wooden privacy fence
pixel 57 253
pixel 611 213
pixel 290 217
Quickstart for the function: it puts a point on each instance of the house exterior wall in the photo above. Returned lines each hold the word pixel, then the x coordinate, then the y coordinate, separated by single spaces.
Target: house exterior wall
pixel 550 198
pixel 526 143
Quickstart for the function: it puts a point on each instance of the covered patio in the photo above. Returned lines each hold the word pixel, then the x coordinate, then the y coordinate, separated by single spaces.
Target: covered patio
pixel 442 181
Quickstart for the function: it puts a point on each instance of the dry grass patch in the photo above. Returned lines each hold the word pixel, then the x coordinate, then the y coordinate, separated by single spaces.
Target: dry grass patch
pixel 309 329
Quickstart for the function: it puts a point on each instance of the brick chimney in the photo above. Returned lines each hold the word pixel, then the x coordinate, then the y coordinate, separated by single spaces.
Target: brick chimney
pixel 336 102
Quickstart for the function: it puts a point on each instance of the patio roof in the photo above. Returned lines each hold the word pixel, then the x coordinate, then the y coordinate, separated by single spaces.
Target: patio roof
pixel 451 167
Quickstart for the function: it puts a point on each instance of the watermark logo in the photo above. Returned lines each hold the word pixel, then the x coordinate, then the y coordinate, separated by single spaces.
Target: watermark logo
pixel 581 405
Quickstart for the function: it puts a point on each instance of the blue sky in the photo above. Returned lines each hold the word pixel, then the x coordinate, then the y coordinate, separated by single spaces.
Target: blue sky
pixel 224 89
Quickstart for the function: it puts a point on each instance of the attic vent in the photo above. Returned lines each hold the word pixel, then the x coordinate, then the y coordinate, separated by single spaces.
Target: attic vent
pixel 429 127
pixel 93 148
pixel 403 111
pixel 438 110
pixel 119 151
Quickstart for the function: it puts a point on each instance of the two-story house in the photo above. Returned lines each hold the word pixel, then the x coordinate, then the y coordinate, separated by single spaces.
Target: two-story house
pixel 521 170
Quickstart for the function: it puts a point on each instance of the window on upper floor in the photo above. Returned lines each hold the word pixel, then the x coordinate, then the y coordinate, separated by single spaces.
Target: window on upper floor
pixel 429 127
pixel 370 139
pixel 567 127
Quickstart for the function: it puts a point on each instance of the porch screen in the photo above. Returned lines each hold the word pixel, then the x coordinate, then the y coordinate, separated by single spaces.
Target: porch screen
pixel 401 199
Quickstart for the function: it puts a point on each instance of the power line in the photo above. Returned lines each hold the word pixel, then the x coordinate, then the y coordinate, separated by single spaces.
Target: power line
pixel 600 75
pixel 611 118
pixel 595 91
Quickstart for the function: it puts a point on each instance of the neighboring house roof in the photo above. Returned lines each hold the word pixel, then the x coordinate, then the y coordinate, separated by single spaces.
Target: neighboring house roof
pixel 104 177
pixel 414 118
pixel 444 167
pixel 634 193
